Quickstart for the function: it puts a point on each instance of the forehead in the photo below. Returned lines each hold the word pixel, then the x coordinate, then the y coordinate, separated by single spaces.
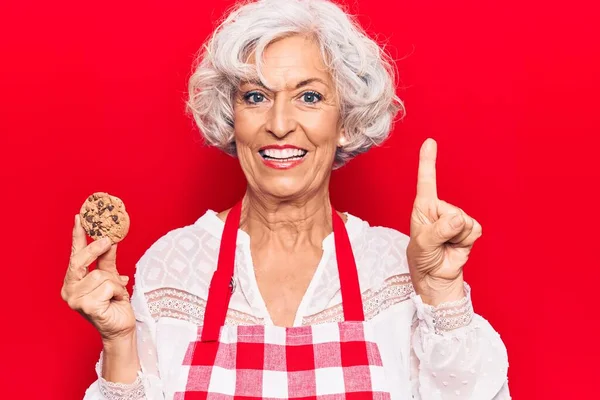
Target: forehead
pixel 290 60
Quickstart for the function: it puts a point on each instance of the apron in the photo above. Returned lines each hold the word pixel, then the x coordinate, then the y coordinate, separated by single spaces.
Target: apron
pixel 330 361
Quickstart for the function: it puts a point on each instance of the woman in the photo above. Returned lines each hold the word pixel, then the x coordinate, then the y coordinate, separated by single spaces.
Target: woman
pixel 281 296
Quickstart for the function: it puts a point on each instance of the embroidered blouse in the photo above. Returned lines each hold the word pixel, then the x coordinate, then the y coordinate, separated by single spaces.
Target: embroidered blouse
pixel 443 352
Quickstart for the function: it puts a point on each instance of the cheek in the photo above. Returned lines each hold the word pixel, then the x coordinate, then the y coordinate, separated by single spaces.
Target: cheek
pixel 246 125
pixel 323 129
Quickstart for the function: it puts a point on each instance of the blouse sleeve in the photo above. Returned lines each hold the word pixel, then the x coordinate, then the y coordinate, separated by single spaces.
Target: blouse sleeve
pixel 148 385
pixel 456 354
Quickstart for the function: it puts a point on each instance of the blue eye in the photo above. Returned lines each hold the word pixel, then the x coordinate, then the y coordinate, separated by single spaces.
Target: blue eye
pixel 311 97
pixel 254 97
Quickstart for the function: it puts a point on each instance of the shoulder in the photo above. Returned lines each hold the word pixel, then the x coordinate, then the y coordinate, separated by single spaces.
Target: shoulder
pixel 382 250
pixel 181 255
pixel 387 238
pixel 384 276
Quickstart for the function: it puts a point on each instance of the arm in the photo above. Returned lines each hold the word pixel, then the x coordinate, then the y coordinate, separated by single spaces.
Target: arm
pixel 456 354
pixel 128 370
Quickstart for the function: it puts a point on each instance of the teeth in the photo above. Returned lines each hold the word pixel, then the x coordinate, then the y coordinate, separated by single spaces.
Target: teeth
pixel 284 153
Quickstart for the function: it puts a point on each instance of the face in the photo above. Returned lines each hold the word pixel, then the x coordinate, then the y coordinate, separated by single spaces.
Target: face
pixel 287 133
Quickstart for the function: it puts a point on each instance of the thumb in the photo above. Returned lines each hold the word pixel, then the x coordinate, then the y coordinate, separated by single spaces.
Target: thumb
pixel 447 227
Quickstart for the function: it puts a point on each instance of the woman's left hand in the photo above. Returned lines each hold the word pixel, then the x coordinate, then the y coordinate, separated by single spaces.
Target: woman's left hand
pixel 441 237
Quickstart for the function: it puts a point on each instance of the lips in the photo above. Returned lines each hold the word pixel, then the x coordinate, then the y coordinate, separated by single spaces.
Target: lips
pixel 282 157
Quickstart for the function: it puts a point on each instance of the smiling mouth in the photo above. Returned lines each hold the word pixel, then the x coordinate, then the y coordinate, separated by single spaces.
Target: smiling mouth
pixel 282 155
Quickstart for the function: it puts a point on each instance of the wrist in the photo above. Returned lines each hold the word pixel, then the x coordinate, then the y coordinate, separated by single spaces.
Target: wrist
pixel 120 359
pixel 119 344
pixel 435 291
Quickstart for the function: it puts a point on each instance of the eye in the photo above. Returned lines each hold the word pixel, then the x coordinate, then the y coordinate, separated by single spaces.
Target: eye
pixel 254 97
pixel 311 97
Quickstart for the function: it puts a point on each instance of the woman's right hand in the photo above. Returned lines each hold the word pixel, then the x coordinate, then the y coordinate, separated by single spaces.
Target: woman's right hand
pixel 100 295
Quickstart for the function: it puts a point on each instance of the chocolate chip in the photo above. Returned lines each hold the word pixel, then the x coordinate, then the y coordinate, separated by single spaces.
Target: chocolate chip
pixel 115 218
pixel 94 225
pixel 101 211
pixel 99 233
pixel 110 207
pixel 89 218
pixel 92 232
pixel 91 198
pixel 100 204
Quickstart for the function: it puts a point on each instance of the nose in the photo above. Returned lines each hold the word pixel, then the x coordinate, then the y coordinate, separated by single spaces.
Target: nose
pixel 281 121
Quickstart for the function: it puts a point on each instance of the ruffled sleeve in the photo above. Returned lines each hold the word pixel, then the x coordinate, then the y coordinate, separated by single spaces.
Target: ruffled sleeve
pixel 148 385
pixel 456 354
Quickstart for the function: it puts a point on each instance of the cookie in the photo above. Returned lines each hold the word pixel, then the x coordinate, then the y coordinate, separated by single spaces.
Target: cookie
pixel 103 215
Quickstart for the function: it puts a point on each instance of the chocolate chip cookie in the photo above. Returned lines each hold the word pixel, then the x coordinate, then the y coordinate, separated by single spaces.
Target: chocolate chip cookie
pixel 103 215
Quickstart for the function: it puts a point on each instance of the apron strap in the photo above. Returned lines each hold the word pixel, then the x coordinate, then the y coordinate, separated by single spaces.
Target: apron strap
pixel 219 292
pixel 349 286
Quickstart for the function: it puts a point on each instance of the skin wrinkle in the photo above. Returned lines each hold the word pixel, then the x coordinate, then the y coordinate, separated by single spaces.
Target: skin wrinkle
pixel 364 75
pixel 287 213
pixel 323 67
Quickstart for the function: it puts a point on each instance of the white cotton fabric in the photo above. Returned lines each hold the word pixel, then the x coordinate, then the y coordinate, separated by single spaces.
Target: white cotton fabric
pixel 447 352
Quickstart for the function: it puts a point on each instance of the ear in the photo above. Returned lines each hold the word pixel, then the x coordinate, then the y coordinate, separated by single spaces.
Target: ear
pixel 342 141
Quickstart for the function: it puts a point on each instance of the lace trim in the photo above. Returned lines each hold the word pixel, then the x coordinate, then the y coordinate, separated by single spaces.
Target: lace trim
pixel 395 289
pixel 176 303
pixel 119 391
pixel 454 314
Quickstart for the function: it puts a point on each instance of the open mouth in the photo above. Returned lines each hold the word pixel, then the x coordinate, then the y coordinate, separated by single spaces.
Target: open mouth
pixel 282 155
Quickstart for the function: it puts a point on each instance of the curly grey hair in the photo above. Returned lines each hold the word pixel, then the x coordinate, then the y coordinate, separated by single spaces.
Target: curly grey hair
pixel 363 73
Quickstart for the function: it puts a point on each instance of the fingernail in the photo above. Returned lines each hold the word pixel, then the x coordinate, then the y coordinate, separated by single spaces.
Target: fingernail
pixel 456 221
pixel 124 278
pixel 105 242
pixel 76 219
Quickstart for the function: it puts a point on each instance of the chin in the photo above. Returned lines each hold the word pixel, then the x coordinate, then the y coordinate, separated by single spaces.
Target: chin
pixel 284 187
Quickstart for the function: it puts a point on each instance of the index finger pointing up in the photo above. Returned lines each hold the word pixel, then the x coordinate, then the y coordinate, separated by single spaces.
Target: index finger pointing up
pixel 426 180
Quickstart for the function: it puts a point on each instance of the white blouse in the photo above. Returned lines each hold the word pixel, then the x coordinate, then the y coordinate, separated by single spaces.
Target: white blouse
pixel 446 352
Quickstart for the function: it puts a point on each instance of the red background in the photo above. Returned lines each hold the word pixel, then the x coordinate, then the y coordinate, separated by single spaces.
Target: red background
pixel 93 99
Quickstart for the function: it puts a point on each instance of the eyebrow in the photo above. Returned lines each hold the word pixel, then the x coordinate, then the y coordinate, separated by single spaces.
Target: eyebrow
pixel 300 84
pixel 309 81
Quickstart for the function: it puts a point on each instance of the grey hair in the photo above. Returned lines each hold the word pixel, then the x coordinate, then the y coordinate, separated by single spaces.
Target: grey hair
pixel 363 73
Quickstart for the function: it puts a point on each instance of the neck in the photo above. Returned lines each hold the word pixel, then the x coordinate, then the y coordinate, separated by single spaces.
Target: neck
pixel 287 224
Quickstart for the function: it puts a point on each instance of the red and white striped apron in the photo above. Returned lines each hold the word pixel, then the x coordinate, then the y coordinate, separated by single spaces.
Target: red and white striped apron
pixel 330 361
